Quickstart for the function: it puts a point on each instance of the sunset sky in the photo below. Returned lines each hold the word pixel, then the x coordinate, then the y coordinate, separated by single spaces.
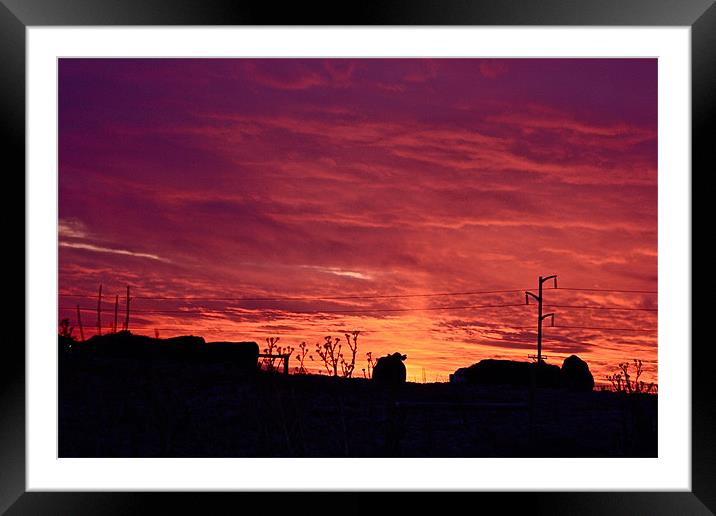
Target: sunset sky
pixel 300 198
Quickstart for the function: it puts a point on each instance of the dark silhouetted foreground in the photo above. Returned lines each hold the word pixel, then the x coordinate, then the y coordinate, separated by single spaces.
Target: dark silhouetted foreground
pixel 573 375
pixel 129 396
pixel 507 372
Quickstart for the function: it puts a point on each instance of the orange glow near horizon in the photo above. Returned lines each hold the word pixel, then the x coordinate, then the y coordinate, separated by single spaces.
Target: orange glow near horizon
pixel 246 199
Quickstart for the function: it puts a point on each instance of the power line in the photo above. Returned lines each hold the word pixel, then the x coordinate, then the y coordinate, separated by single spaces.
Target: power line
pixel 231 309
pixel 369 332
pixel 606 308
pixel 368 310
pixel 363 310
pixel 331 298
pixel 389 331
pixel 374 296
pixel 607 290
pixel 309 298
pixel 606 328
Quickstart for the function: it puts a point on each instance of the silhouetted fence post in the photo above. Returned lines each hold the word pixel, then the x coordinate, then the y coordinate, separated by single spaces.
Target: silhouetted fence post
pixel 79 322
pixel 116 307
pixel 126 320
pixel 99 311
pixel 273 358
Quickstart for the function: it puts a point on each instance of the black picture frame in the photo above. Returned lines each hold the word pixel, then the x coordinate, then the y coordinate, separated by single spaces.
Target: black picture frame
pixel 17 15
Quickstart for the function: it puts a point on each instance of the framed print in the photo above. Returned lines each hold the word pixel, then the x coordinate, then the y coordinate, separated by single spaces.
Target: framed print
pixel 423 249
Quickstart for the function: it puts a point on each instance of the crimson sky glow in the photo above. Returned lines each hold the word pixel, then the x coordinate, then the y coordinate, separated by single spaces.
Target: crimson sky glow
pixel 285 179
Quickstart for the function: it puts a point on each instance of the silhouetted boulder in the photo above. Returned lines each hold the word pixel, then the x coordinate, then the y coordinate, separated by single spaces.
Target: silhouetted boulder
pixel 244 355
pixel 507 372
pixel 390 369
pixel 575 374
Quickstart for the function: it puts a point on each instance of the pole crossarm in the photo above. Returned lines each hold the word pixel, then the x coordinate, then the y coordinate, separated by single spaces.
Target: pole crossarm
pixel 527 299
pixel 549 315
pixel 546 278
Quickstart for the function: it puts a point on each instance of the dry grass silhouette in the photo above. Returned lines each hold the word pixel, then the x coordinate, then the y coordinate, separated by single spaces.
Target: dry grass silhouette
pixel 272 348
pixel 331 356
pixel 622 380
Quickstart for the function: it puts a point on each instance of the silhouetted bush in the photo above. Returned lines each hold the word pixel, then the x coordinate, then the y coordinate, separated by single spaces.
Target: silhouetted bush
pixel 371 365
pixel 346 366
pixel 302 354
pixel 330 354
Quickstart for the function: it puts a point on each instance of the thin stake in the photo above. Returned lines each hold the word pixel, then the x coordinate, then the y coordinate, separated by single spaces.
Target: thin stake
pixel 79 321
pixel 99 311
pixel 126 320
pixel 116 307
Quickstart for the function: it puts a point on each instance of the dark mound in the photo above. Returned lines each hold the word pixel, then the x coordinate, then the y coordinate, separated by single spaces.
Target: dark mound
pixel 125 345
pixel 507 372
pixel 185 348
pixel 241 354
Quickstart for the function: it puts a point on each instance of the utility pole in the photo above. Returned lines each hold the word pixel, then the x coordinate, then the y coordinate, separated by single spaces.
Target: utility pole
pixel 99 311
pixel 532 401
pixel 79 321
pixel 126 321
pixel 540 317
